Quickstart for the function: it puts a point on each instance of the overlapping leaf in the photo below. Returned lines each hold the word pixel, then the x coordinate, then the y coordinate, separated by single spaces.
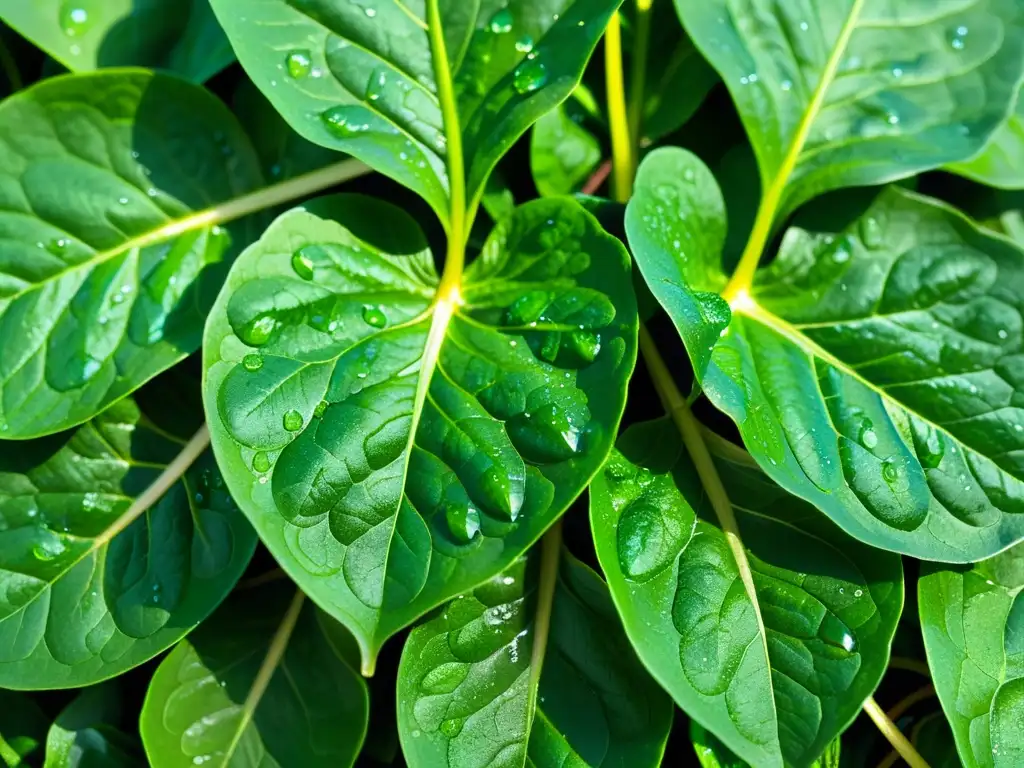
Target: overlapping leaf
pixel 838 93
pixel 81 597
pixel 776 681
pixel 471 691
pixel 362 76
pixel 562 153
pixel 875 372
pixel 22 728
pixel 85 734
pixel 1001 163
pixel 103 284
pixel 393 447
pixel 177 35
pixel 269 680
pixel 972 618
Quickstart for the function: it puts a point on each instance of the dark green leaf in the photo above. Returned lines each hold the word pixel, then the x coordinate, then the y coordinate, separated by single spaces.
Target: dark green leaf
pixel 1001 163
pixel 85 734
pixel 934 742
pixel 177 35
pixel 562 153
pixel 973 623
pixel 104 280
pixel 267 681
pixel 392 447
pixel 361 76
pixel 874 371
pixel 712 753
pixel 22 729
pixel 469 694
pixel 839 93
pixel 829 605
pixel 83 599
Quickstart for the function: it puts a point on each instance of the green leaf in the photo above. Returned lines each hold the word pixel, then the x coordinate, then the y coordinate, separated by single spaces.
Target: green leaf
pixel 712 753
pixel 839 93
pixel 1001 163
pixel 972 618
pixel 85 734
pixel 873 372
pixel 562 153
pixel 395 448
pixel 84 593
pixel 361 76
pixel 468 687
pixel 829 605
pixel 934 742
pixel 267 681
pixel 105 279
pixel 177 35
pixel 22 729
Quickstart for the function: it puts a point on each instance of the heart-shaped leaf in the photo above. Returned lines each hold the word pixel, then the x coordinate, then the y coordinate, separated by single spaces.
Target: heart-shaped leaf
pixel 839 93
pixel 776 681
pixel 86 594
pixel 972 618
pixel 874 372
pixel 105 278
pixel 268 680
pixel 1001 163
pixel 368 77
pixel 86 733
pixel 394 447
pixel 181 36
pixel 483 683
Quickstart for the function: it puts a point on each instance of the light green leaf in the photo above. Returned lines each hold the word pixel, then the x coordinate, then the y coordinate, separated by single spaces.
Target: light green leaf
pixel 712 753
pixel 1001 163
pixel 177 35
pixel 829 605
pixel 267 681
pixel 22 729
pixel 105 278
pixel 562 153
pixel 972 618
pixel 85 734
pixel 839 93
pixel 362 77
pixel 471 690
pixel 874 372
pixel 394 447
pixel 82 596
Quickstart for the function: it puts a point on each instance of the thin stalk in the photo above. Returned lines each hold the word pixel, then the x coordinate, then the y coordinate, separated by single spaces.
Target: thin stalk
pixel 550 554
pixel 638 75
pixel 10 67
pixel 910 665
pixel 458 226
pixel 900 708
pixel 894 735
pixel 277 574
pixel 623 166
pixel 9 757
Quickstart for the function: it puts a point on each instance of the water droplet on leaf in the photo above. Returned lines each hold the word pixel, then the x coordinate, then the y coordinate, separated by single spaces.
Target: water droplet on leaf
pixel 298 64
pixel 292 421
pixel 261 462
pixel 302 264
pixel 252 362
pixel 374 316
pixel 529 76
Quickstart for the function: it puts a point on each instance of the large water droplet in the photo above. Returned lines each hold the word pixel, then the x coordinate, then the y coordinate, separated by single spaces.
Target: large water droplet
pixel 524 44
pixel 585 344
pixel 837 634
pixel 528 308
pixel 74 19
pixel 842 249
pixel 298 64
pixel 302 263
pixel 292 421
pixel 501 22
pixel 321 407
pixel 336 120
pixel 452 728
pixel 463 521
pixel 866 435
pixel 49 548
pixel 529 76
pixel 252 362
pixel 930 453
pixel 258 331
pixel 261 462
pixel 890 471
pixel 374 316
pixel 871 232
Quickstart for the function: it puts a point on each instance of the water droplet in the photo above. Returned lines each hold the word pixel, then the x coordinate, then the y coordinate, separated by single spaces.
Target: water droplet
pixel 371 12
pixel 837 634
pixel 252 362
pixel 258 331
pixel 859 593
pixel 585 344
pixel 74 19
pixel 336 121
pixel 261 462
pixel 374 316
pixel 50 548
pixel 463 522
pixel 786 85
pixel 893 119
pixel 842 249
pixel 957 43
pixel 870 232
pixel 524 44
pixel 501 22
pixel 867 436
pixel 298 64
pixel 890 471
pixel 302 263
pixel 321 407
pixel 930 453
pixel 897 72
pixel 292 421
pixel 497 615
pixel 451 728
pixel 529 76
pixel 1001 333
pixel 804 26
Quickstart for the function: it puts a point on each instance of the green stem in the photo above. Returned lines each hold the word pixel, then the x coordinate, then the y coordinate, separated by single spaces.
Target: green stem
pixel 894 735
pixel 622 145
pixel 550 555
pixel 638 77
pixel 10 67
pixel 458 212
pixel 8 755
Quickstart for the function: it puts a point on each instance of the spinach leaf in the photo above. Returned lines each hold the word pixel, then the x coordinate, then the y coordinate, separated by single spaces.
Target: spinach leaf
pixel 972 618
pixel 85 734
pixel 483 683
pixel 367 77
pixel 177 35
pixel 873 371
pixel 395 447
pixel 778 680
pixel 86 594
pixel 105 277
pixel 268 680
pixel 1001 163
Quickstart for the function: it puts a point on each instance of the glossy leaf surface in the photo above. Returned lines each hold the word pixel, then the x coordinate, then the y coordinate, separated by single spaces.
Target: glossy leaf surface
pixel 177 35
pixel 829 604
pixel 392 447
pixel 875 372
pixel 103 284
pixel 83 599
pixel 1001 163
pixel 972 618
pixel 839 93
pixel 211 701
pixel 85 733
pixel 469 692
pixel 361 76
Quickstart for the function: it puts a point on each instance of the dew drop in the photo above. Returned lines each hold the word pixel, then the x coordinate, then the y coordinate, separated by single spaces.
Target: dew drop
pixel 298 64
pixel 74 19
pixel 252 362
pixel 786 85
pixel 870 232
pixel 529 76
pixel 336 121
pixel 292 421
pixel 48 549
pixel 867 437
pixel 463 522
pixel 371 12
pixel 524 44
pixel 261 462
pixel 320 409
pixel 890 471
pixel 374 316
pixel 302 264
pixel 258 331
pixel 451 728
pixel 837 634
pixel 501 22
